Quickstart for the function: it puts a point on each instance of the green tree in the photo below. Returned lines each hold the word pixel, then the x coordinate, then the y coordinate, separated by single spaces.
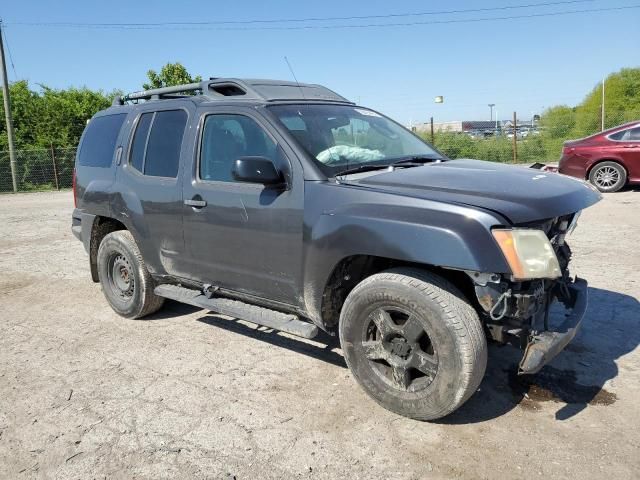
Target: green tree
pixel 24 108
pixel 171 74
pixel 50 116
pixel 64 114
pixel 622 102
pixel 559 121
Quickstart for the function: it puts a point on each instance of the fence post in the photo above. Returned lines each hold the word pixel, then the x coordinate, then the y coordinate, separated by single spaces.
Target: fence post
pixel 515 140
pixel 432 139
pixel 55 169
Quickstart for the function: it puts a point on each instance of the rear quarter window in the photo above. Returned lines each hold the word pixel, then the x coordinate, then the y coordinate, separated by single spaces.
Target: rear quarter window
pixel 99 141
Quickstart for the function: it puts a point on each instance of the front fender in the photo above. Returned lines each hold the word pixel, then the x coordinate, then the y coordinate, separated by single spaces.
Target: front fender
pixel 409 230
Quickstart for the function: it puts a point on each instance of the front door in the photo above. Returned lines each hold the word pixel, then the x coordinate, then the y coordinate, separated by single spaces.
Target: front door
pixel 242 236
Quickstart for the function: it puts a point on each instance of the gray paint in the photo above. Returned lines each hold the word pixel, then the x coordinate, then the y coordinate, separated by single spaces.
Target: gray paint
pixel 279 246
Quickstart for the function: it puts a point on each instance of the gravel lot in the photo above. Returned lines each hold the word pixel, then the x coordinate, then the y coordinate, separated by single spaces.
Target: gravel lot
pixel 87 394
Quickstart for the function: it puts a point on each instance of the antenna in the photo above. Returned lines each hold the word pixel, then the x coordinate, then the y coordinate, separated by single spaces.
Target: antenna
pixel 294 76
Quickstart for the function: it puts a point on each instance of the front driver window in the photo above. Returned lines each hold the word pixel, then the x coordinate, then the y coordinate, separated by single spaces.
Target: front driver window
pixel 225 138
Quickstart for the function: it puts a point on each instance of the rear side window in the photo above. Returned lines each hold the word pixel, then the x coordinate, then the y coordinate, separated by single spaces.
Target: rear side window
pixel 140 141
pixel 618 135
pixel 634 134
pixel 155 150
pixel 99 141
pixel 630 135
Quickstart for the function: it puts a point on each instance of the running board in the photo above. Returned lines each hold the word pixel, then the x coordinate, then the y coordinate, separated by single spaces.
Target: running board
pixel 234 308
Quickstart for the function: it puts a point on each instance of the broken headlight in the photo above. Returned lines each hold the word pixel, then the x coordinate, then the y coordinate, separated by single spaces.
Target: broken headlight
pixel 528 253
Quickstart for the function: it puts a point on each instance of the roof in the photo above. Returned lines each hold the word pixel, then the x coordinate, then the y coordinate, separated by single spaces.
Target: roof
pixel 239 89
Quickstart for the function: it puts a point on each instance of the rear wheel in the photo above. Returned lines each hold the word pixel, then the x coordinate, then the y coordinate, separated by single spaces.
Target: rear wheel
pixel 125 280
pixel 608 176
pixel 413 343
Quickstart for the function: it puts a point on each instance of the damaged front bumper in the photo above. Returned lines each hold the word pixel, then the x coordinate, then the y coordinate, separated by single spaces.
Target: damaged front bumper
pixel 542 347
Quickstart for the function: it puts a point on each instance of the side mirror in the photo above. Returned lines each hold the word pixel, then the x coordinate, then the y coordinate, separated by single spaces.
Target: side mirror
pixel 256 170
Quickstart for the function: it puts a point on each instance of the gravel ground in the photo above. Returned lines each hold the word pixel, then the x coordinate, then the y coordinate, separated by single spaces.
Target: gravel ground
pixel 87 394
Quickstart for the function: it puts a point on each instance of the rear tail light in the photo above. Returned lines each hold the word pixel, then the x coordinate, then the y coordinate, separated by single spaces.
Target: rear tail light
pixel 73 184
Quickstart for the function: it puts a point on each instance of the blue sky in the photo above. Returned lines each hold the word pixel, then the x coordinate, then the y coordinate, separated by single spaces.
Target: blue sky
pixel 519 64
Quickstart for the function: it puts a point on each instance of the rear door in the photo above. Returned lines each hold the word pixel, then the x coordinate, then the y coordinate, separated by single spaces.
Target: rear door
pixel 149 179
pixel 243 237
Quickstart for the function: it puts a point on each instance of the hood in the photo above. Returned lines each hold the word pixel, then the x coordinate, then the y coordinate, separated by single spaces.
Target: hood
pixel 520 194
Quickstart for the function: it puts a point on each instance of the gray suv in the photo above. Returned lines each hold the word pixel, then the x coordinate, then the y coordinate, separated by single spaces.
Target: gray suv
pixel 286 205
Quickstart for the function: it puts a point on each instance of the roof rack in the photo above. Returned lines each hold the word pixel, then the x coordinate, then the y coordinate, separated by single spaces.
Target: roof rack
pixel 157 93
pixel 227 88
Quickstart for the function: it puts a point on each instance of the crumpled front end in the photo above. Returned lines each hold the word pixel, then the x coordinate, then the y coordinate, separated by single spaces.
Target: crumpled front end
pixel 518 312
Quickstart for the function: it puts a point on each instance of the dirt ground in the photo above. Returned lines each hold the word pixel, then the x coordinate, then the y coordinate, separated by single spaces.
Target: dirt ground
pixel 87 394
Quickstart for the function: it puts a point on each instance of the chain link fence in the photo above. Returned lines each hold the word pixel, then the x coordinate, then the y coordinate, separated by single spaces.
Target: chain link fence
pixel 536 139
pixel 38 169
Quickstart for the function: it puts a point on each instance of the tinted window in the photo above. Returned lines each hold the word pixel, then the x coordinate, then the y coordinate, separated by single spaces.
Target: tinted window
pixel 634 134
pixel 225 138
pixel 618 135
pixel 163 147
pixel 140 141
pixel 99 141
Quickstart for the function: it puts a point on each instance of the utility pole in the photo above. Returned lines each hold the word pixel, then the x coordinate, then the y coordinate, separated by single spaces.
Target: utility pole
pixel 7 112
pixel 432 138
pixel 515 140
pixel 602 113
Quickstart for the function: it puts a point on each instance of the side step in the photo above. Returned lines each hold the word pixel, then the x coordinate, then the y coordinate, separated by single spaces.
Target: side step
pixel 237 309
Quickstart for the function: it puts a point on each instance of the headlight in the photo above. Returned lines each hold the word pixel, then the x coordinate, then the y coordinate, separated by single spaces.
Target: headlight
pixel 528 253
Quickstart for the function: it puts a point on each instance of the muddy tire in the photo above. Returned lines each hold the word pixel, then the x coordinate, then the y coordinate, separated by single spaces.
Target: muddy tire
pixel 413 343
pixel 125 280
pixel 608 176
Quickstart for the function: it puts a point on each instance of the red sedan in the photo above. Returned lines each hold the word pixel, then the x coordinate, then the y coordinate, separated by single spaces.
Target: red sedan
pixel 609 159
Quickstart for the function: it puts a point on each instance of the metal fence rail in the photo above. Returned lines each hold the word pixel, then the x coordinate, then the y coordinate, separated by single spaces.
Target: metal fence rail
pixel 41 169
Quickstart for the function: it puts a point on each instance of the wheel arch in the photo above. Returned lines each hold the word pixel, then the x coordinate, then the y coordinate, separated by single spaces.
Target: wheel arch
pixel 102 226
pixel 353 269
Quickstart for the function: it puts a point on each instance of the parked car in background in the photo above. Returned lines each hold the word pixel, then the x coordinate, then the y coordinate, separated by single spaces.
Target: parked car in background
pixel 609 159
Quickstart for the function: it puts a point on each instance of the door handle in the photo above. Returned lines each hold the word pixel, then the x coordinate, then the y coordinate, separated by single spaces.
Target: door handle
pixel 196 203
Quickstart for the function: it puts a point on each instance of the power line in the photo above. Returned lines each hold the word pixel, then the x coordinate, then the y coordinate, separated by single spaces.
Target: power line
pixel 205 24
pixel 310 19
pixel 6 42
pixel 436 22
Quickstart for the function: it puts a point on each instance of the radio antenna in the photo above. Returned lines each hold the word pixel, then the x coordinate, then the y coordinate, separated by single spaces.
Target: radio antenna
pixel 294 77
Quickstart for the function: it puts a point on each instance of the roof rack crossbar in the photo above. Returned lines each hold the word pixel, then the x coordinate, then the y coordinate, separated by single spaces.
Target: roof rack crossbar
pixel 158 92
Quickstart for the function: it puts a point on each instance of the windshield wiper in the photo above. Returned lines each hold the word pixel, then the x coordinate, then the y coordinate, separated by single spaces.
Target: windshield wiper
pixel 417 160
pixel 361 168
pixel 412 161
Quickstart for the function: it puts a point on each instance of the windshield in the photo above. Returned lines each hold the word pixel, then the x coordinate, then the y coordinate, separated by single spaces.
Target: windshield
pixel 344 137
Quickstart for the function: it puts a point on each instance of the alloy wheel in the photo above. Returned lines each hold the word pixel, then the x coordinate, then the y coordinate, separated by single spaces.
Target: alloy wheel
pixel 399 349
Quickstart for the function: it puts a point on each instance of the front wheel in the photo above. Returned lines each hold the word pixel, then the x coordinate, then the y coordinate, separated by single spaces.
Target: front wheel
pixel 125 280
pixel 413 343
